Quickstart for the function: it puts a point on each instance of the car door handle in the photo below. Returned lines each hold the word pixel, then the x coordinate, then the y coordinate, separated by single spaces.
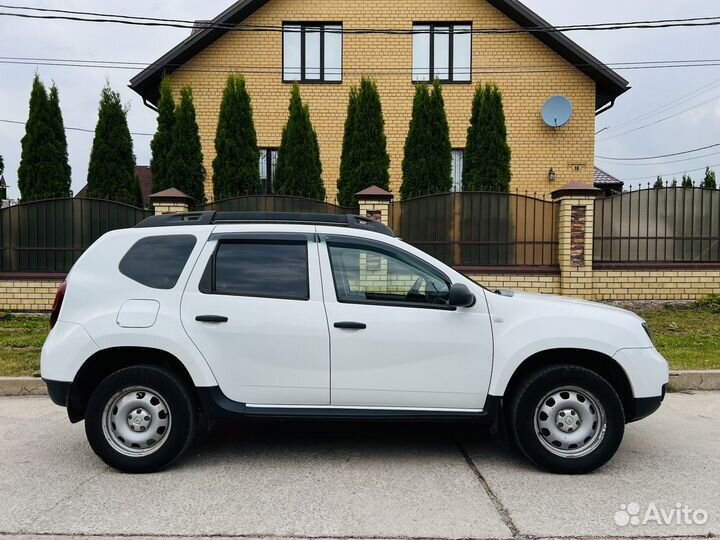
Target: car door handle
pixel 211 318
pixel 350 325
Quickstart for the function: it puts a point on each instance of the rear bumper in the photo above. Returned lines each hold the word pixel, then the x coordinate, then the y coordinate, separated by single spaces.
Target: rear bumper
pixel 58 391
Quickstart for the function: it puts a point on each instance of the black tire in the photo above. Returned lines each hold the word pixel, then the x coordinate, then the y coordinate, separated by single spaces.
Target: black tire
pixel 531 400
pixel 182 418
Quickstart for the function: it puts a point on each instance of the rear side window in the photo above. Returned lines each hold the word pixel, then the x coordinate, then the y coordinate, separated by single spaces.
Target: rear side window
pixel 260 268
pixel 158 261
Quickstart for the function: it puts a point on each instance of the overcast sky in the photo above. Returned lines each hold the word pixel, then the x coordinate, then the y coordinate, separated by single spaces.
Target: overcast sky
pixel 651 89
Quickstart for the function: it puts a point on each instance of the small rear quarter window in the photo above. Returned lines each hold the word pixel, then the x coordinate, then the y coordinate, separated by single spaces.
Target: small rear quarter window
pixel 158 261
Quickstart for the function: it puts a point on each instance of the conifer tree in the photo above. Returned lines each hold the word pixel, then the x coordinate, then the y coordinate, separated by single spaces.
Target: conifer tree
pixel 709 181
pixel 345 187
pixel 2 166
pixel 37 163
pixel 111 172
pixel 298 171
pixel 674 183
pixel 236 168
pixel 687 181
pixel 659 183
pixel 185 167
pixel 427 160
pixel 486 166
pixel 161 143
pixel 417 146
pixel 365 161
pixel 60 183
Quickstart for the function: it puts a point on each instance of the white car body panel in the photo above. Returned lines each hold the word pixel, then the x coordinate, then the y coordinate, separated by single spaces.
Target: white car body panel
pixel 407 356
pixel 286 353
pixel 96 291
pixel 271 351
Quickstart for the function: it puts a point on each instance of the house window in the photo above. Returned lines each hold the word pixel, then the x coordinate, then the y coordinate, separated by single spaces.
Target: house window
pixel 442 51
pixel 458 157
pixel 268 161
pixel 312 52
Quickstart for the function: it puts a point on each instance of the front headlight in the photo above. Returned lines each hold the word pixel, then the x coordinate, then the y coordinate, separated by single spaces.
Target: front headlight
pixel 649 333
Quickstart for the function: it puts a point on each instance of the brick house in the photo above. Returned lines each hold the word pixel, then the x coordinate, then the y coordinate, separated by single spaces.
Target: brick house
pixel 302 41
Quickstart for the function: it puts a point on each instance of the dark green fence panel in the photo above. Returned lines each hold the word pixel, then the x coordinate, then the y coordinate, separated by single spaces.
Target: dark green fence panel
pixel 49 236
pixel 658 225
pixel 277 203
pixel 479 228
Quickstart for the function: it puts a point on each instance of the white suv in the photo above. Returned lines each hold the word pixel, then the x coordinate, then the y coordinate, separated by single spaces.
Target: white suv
pixel 227 314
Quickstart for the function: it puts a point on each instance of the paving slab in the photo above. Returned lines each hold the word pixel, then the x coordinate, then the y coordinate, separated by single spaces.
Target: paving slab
pixel 264 479
pixel 671 458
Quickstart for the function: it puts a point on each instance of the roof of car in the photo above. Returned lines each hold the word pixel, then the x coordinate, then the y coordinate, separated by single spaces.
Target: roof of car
pixel 294 218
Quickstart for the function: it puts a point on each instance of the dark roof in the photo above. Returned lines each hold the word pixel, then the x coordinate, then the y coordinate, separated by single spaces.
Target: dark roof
pixel 374 192
pixel 609 84
pixel 603 179
pixel 144 176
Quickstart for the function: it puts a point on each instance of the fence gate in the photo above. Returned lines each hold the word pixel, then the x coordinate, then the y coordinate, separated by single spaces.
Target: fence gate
pixel 479 228
pixel 49 236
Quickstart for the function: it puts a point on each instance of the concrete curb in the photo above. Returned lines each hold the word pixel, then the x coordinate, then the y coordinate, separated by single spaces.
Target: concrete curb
pixel 695 380
pixel 679 381
pixel 22 386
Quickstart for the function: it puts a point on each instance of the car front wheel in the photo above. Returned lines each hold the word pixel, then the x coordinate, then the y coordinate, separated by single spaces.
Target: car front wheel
pixel 140 419
pixel 567 419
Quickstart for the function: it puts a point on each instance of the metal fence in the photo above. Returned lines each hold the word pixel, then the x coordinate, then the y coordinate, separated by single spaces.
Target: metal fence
pixel 277 203
pixel 480 228
pixel 658 225
pixel 49 236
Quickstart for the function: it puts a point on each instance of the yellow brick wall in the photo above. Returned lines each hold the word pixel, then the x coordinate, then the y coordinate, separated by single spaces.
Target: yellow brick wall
pixel 604 285
pixel 27 295
pixel 496 58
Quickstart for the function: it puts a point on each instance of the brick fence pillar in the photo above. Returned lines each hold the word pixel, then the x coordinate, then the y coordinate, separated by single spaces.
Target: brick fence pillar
pixel 170 201
pixel 575 237
pixel 374 203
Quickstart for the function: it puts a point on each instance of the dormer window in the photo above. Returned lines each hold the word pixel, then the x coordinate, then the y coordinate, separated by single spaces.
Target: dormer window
pixel 312 52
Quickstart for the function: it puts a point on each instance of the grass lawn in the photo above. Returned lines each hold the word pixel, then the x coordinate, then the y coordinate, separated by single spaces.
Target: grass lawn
pixel 689 337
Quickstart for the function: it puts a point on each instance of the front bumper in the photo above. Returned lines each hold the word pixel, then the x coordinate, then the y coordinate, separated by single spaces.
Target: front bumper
pixel 644 407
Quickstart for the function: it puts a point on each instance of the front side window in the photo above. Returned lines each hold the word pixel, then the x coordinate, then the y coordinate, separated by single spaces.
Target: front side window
pixel 259 268
pixel 368 274
pixel 158 261
pixel 442 51
pixel 312 52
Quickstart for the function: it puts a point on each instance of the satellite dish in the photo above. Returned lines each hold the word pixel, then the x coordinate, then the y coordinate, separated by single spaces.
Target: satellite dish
pixel 557 111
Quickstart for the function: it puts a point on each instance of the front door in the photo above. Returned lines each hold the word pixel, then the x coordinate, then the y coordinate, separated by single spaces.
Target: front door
pixel 395 341
pixel 254 308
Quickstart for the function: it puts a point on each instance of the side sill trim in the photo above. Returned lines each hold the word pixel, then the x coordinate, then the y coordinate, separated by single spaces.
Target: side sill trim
pixel 217 405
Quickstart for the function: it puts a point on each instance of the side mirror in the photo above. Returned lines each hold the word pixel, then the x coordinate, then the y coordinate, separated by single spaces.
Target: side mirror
pixel 460 296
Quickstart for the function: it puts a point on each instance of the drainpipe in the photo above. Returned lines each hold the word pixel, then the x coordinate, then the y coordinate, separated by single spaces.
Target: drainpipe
pixel 606 107
pixel 149 105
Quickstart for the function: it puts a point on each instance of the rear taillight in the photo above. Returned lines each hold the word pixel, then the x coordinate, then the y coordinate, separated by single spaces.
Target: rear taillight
pixel 57 303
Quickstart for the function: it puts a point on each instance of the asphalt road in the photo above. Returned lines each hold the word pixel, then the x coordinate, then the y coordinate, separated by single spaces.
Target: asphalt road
pixel 392 481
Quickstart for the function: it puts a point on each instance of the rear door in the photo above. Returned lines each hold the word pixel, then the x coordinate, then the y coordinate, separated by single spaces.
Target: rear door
pixel 254 308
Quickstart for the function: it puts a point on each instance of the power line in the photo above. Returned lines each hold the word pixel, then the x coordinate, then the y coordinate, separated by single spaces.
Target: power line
pixel 683 160
pixel 670 174
pixel 211 24
pixel 277 70
pixel 67 128
pixel 670 105
pixel 622 134
pixel 192 25
pixel 660 156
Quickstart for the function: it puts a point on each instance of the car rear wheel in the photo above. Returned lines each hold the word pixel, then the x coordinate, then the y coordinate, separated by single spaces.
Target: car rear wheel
pixel 567 419
pixel 140 419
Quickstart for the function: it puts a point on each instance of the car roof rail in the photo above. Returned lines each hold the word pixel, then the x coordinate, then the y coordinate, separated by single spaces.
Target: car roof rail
pixel 297 218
